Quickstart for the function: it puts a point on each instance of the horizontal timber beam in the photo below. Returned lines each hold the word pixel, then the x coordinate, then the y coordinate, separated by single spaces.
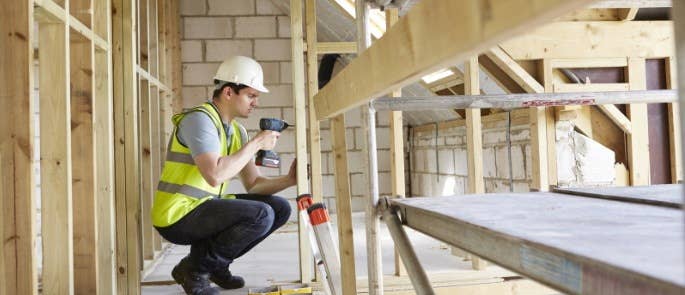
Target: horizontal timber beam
pixel 509 101
pixel 154 81
pixel 51 10
pixel 336 47
pixel 412 40
pixel 648 39
pixel 631 4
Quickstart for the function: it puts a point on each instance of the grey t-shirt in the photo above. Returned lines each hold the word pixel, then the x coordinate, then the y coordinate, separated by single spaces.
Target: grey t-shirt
pixel 197 132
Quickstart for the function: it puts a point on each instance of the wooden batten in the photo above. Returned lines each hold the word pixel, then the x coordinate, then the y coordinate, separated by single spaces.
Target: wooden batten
pixel 56 159
pixel 83 158
pixel 104 151
pixel 638 140
pixel 647 39
pixel 297 44
pixel 392 15
pixel 126 157
pixel 674 124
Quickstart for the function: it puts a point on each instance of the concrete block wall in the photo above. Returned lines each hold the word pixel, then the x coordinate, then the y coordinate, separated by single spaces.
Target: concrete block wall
pixel 445 172
pixel 215 29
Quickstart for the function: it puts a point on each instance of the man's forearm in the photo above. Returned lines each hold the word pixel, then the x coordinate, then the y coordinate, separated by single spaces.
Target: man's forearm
pixel 270 186
pixel 230 166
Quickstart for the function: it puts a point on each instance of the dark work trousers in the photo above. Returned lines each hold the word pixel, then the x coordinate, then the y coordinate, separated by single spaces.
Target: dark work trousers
pixel 221 230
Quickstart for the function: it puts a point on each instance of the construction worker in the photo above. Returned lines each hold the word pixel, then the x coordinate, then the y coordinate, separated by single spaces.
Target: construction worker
pixel 193 205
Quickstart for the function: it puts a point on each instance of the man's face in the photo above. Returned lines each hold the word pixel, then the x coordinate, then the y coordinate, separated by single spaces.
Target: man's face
pixel 244 102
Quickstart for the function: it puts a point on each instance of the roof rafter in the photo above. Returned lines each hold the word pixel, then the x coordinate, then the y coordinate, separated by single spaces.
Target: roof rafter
pixel 410 49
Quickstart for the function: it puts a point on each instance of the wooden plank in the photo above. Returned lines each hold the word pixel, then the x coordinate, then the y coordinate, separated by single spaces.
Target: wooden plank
pixel 396 145
pixel 146 180
pixel 679 82
pixel 539 138
pixel 474 136
pixel 151 79
pixel 594 87
pixel 104 152
pixel 579 261
pixel 570 63
pixel 56 163
pixel 126 158
pixel 628 14
pixel 550 122
pixel 48 8
pixel 664 195
pixel 335 47
pixel 514 70
pixel 17 149
pixel 176 68
pixel 648 39
pixel 297 68
pixel 376 71
pixel 617 117
pixel 631 3
pixel 343 202
pixel 638 140
pixel 474 141
pixel 674 124
pixel 147 183
pixel 83 172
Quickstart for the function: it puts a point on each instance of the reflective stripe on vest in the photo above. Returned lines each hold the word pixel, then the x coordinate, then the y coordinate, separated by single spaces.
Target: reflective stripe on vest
pixel 181 187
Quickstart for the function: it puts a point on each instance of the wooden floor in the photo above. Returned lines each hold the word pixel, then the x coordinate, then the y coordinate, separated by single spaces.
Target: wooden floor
pixel 577 244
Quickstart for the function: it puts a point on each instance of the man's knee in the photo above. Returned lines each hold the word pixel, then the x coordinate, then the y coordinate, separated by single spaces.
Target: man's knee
pixel 265 217
pixel 282 210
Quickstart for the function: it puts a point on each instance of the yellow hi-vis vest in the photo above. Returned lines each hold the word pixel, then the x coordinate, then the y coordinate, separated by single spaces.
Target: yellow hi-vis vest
pixel 181 186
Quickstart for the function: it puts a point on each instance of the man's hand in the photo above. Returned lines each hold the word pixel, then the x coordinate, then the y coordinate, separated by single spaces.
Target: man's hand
pixel 292 173
pixel 266 139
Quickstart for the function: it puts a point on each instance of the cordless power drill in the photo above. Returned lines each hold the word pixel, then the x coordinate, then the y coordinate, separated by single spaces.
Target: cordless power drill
pixel 270 158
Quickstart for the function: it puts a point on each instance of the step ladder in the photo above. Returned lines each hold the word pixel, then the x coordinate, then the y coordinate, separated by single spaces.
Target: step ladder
pixel 324 247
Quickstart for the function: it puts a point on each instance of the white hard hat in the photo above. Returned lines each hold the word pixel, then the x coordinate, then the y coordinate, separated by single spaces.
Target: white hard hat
pixel 242 70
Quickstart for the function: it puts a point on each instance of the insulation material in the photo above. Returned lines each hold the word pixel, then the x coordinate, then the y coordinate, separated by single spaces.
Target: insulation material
pixel 582 161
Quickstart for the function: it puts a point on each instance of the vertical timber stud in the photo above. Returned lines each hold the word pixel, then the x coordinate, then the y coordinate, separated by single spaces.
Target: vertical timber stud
pixel 155 99
pixel 127 194
pixel 176 69
pixel 343 204
pixel 392 15
pixel 83 154
pixel 474 140
pixel 538 138
pixel 16 146
pixel 674 123
pixel 144 128
pixel 638 140
pixel 373 245
pixel 104 151
pixel 55 155
pixel 312 89
pixel 297 43
pixel 550 124
pixel 679 24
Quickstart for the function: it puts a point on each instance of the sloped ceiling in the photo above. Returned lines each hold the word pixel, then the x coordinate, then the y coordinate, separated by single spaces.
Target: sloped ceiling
pixel 334 26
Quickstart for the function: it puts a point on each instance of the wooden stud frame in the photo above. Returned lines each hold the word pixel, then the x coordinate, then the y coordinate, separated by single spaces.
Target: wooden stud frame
pixel 87 73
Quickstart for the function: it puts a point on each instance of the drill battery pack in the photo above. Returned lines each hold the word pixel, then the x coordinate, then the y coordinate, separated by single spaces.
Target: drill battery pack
pixel 268 159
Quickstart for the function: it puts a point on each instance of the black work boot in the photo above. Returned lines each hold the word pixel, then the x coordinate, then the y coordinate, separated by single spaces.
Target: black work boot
pixel 224 279
pixel 194 283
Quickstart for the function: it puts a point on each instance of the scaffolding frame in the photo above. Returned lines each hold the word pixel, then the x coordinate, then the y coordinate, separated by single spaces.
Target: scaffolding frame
pixel 326 107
